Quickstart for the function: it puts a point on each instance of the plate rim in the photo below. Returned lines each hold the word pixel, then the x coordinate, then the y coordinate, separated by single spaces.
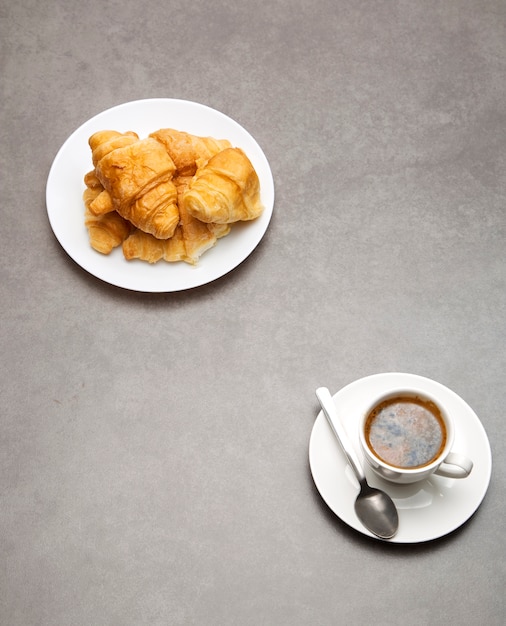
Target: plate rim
pixel 188 277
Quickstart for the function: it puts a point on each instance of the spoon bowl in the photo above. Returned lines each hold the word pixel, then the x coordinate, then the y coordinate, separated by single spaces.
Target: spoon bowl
pixel 374 508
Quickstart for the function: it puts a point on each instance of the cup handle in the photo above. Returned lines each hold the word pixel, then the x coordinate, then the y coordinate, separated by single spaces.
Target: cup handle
pixel 455 466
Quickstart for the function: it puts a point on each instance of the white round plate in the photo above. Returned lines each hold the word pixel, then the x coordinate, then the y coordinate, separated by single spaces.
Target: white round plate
pixel 427 510
pixel 66 211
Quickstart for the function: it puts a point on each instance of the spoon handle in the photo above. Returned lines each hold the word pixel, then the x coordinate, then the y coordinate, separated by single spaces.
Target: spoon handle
pixel 329 409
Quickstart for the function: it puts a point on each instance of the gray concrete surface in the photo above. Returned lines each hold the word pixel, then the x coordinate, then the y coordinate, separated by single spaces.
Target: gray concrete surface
pixel 154 447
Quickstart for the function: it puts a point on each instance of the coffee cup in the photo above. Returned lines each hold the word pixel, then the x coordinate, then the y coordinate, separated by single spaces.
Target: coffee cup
pixel 406 435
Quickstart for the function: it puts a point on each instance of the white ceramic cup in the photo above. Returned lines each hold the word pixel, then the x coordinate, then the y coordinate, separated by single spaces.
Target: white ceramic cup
pixel 446 463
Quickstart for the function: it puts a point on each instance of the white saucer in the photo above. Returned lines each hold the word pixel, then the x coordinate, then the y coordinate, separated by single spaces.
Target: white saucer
pixel 427 510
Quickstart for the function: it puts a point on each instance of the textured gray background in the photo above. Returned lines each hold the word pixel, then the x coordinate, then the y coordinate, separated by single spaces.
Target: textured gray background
pixel 154 447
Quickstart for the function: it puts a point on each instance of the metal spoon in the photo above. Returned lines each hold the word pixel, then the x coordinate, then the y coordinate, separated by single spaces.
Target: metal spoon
pixel 374 508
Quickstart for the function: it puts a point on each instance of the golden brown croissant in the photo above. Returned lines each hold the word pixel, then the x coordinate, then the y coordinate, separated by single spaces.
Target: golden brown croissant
pixel 105 141
pixel 91 180
pixel 219 230
pixel 182 184
pixel 89 195
pixel 224 190
pixel 198 237
pixel 141 245
pixel 190 240
pixel 138 178
pixel 170 196
pixel 186 149
pixel 105 232
pixel 101 202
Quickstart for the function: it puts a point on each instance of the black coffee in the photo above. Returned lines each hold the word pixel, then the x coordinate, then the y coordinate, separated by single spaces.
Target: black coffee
pixel 406 432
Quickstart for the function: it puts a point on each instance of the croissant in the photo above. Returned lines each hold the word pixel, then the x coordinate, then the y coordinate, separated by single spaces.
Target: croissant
pixel 190 240
pixel 141 245
pixel 219 230
pixel 105 232
pixel 198 236
pixel 91 180
pixel 102 203
pixel 138 177
pixel 224 190
pixel 105 141
pixel 170 196
pixel 89 195
pixel 187 150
